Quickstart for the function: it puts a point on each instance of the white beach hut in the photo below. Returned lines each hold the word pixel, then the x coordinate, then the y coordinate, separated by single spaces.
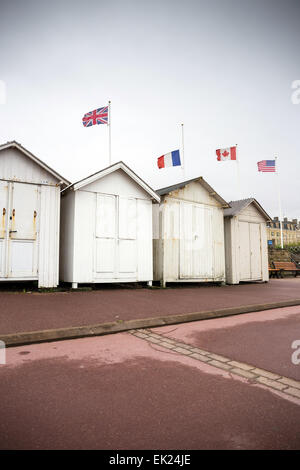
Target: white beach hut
pixel 106 228
pixel 189 234
pixel 29 225
pixel 246 249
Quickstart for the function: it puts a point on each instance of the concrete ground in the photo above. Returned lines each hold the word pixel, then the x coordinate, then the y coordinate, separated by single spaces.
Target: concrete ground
pixel 155 389
pixel 40 311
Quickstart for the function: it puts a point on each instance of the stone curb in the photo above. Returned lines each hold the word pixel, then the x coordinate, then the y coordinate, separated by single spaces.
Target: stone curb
pixel 31 337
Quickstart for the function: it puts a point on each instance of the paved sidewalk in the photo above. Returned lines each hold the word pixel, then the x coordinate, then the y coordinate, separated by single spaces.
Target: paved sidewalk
pixel 27 312
pixel 122 392
pixel 261 338
pixel 254 374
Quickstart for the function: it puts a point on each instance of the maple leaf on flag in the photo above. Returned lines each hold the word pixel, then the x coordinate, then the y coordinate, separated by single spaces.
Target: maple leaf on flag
pixel 226 154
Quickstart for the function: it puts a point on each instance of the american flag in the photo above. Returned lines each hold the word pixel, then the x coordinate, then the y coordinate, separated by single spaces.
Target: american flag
pixel 98 116
pixel 266 166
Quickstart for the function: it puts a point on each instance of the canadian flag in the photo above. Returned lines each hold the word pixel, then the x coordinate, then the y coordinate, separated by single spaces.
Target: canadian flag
pixel 226 154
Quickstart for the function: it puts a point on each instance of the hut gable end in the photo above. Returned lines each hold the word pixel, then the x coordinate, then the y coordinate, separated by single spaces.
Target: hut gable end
pixel 15 166
pixel 251 214
pixel 117 182
pixel 247 208
pixel 20 165
pixel 195 192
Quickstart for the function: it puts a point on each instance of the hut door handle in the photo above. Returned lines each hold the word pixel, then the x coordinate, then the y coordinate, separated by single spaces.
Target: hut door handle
pixel 13 231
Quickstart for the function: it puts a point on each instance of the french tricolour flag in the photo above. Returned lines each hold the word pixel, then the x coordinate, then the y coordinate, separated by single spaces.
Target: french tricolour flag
pixel 169 159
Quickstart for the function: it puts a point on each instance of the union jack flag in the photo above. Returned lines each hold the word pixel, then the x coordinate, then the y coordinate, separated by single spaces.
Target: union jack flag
pixel 98 116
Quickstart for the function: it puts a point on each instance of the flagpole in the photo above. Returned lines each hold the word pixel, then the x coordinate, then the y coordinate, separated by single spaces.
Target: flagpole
pixel 109 132
pixel 238 174
pixel 279 203
pixel 182 147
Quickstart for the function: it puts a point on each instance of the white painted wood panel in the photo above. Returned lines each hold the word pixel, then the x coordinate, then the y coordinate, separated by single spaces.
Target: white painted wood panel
pixel 191 236
pixel 24 211
pixel 112 231
pixel 218 244
pixel 246 246
pixel 195 193
pixel 105 258
pixel 15 166
pixel 106 236
pixel 186 241
pixel 22 229
pixel 49 229
pixel 84 253
pixel 2 257
pixel 144 240
pixel 3 208
pixel 244 251
pixel 30 247
pixel 123 239
pixel 255 247
pixel 117 183
pixel 22 261
pixel 3 224
pixel 127 257
pixel 127 218
pixel 106 216
pixel 67 232
pixel 196 242
pixel 264 252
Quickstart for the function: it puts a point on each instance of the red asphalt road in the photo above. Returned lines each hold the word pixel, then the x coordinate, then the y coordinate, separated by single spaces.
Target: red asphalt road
pixel 39 311
pixel 263 339
pixel 120 392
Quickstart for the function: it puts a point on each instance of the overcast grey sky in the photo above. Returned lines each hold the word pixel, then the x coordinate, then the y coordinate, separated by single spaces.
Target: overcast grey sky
pixel 222 67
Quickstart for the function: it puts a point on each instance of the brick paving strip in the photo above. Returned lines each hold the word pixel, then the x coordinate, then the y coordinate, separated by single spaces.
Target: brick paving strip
pixel 247 371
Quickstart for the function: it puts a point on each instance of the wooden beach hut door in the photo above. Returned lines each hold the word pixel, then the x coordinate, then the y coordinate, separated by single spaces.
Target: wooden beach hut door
pixel 3 226
pixel 250 251
pixel 19 204
pixel 116 237
pixel 196 244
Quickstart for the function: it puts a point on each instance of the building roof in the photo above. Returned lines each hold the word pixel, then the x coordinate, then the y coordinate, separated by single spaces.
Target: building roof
pixel 14 144
pixel 238 206
pixel 110 169
pixel 199 179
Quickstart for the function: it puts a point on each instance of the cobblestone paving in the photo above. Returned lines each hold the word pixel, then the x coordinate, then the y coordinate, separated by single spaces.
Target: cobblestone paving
pixel 252 373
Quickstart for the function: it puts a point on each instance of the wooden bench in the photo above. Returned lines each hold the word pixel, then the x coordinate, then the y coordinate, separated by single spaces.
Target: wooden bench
pixel 274 272
pixel 286 266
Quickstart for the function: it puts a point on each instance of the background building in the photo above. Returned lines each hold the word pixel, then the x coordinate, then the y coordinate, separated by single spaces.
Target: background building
pixel 290 230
